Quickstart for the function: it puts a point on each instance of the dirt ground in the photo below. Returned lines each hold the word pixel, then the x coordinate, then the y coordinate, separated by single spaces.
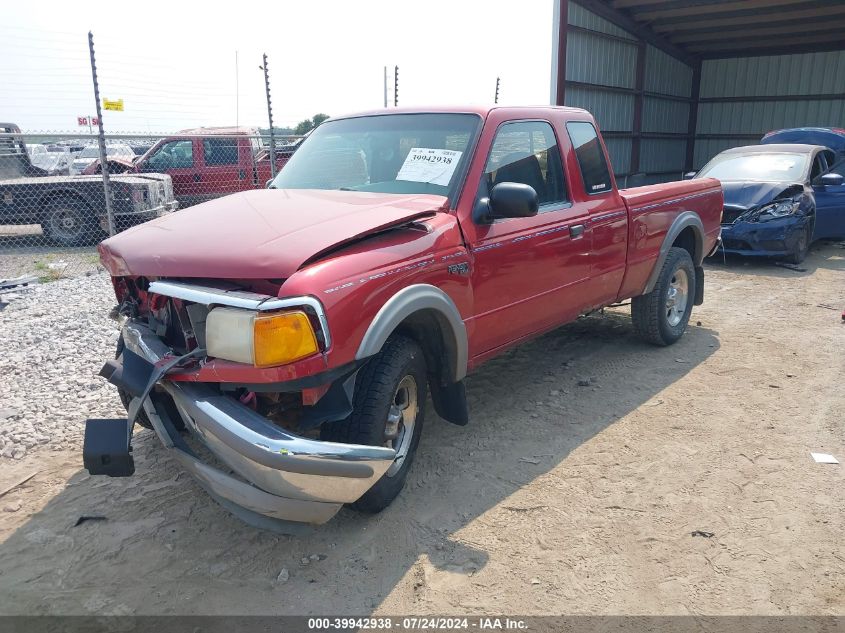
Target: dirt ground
pixel 556 499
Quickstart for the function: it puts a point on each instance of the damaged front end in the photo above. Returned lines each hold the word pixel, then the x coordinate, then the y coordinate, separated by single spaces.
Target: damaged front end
pixel 780 226
pixel 272 466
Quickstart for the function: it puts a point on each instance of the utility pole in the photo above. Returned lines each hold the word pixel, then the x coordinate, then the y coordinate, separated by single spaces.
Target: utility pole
pixel 101 138
pixel 385 86
pixel 270 117
pixel 496 98
pixel 237 92
pixel 395 86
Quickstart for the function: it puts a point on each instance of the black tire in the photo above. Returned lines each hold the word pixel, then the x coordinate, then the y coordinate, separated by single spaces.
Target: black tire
pixel 125 398
pixel 802 245
pixel 653 318
pixel 376 391
pixel 68 221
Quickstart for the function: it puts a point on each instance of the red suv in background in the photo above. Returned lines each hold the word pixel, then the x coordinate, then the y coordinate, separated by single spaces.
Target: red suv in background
pixel 206 163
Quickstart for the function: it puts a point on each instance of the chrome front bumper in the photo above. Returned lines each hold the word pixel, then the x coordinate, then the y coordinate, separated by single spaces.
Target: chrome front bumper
pixel 290 477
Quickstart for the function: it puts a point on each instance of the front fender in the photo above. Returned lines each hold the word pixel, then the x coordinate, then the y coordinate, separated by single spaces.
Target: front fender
pixel 406 302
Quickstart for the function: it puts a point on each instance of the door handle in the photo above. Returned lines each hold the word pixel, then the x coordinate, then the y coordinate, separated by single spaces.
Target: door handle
pixel 576 231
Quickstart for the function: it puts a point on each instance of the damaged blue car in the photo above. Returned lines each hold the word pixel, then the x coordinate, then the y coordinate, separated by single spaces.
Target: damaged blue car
pixel 779 198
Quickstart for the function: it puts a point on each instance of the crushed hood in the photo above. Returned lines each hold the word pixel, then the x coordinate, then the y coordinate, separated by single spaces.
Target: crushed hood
pixel 260 234
pixel 746 195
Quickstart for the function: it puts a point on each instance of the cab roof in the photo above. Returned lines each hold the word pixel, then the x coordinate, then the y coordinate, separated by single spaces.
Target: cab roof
pixel 481 110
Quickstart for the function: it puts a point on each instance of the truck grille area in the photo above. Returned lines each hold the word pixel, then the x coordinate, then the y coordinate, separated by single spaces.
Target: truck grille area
pixel 180 324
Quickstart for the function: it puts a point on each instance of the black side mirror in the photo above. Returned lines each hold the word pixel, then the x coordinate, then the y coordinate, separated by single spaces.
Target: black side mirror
pixel 690 175
pixel 507 200
pixel 831 180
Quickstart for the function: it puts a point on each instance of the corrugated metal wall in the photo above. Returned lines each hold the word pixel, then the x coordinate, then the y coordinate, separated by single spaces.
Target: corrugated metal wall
pixel 739 98
pixel 601 75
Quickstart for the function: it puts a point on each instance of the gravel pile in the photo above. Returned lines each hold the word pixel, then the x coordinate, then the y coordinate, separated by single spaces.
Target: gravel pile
pixel 54 338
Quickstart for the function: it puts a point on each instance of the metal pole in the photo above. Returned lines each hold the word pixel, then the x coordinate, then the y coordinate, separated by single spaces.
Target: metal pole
pixel 385 86
pixel 496 98
pixel 101 138
pixel 270 118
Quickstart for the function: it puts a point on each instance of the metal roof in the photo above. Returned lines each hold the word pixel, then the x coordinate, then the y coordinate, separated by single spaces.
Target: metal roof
pixel 732 28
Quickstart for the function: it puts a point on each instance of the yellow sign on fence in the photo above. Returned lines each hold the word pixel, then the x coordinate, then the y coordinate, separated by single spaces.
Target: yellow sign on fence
pixel 113 105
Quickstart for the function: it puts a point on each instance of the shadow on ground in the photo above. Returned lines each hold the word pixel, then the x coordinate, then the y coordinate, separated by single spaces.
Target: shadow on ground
pixel 166 547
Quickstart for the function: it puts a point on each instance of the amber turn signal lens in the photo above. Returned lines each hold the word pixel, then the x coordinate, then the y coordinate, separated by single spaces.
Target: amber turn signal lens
pixel 282 338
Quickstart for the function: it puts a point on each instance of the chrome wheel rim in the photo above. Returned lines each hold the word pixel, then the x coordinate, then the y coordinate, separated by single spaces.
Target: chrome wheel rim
pixel 399 428
pixel 677 297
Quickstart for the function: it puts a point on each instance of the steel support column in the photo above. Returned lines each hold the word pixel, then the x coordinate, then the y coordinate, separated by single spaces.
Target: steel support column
pixel 692 122
pixel 637 123
pixel 560 26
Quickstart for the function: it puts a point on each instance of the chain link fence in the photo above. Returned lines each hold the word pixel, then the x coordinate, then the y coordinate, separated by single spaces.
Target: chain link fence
pixel 53 192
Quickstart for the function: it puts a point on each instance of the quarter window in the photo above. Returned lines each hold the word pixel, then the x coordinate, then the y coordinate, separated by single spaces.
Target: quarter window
pixel 527 152
pixel 590 155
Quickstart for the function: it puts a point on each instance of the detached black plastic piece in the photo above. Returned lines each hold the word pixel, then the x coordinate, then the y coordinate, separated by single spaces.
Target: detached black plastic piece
pixel 335 405
pixel 106 450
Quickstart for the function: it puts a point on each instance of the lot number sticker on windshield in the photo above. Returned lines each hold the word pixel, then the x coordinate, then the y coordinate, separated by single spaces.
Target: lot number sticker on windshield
pixel 434 166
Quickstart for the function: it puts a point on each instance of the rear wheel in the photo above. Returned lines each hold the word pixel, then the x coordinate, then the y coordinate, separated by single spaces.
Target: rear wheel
pixel 802 245
pixel 661 316
pixel 388 410
pixel 70 222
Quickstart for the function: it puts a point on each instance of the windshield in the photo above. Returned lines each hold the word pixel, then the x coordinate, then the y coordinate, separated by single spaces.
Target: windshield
pixel 395 153
pixel 757 167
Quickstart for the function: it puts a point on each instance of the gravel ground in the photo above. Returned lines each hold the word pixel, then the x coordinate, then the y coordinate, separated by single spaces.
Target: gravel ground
pixel 55 338
pixel 597 475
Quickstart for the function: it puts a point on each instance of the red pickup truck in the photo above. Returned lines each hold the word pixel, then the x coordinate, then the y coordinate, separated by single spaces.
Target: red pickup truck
pixel 206 163
pixel 295 332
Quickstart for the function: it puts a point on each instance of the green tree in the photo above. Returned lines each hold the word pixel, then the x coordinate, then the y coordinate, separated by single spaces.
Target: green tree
pixel 305 126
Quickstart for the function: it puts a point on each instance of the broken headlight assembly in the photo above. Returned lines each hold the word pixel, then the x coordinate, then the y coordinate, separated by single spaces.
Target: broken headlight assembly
pixel 776 209
pixel 259 339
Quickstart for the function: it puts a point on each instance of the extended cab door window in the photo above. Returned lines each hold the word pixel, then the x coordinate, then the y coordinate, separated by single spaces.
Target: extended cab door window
pixel 591 159
pixel 220 151
pixel 527 152
pixel 223 174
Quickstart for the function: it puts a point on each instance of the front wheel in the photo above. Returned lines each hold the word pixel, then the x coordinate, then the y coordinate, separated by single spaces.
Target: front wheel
pixel 661 316
pixel 802 246
pixel 388 410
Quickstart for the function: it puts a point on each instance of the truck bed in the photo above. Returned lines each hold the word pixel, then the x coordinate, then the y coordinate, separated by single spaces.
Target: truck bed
pixel 651 211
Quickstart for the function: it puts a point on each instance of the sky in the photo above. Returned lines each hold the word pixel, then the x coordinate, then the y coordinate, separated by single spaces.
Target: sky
pixel 174 63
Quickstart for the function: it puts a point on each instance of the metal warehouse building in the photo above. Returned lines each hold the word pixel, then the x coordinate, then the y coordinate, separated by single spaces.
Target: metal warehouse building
pixel 674 82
